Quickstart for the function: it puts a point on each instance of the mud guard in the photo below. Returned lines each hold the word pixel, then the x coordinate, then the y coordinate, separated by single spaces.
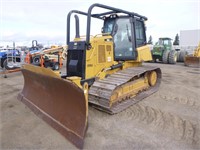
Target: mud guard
pixel 59 102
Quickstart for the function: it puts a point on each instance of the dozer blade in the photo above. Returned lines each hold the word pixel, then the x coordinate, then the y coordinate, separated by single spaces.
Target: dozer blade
pixel 59 102
pixel 192 61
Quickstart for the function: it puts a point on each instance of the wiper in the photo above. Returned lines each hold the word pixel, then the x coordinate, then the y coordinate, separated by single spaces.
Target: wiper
pixel 129 37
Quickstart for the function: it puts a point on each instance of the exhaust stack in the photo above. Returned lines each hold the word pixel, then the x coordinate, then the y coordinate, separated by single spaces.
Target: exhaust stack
pixel 77 26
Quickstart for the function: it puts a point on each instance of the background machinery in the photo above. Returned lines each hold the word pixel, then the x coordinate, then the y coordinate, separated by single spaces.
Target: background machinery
pixel 48 58
pixel 164 52
pixel 35 46
pixel 105 70
pixel 193 60
pixel 10 56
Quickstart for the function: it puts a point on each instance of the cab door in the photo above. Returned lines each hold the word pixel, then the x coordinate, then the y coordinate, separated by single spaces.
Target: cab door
pixel 124 41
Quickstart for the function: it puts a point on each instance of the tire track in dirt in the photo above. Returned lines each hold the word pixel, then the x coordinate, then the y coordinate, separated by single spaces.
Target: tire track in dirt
pixel 169 124
pixel 184 101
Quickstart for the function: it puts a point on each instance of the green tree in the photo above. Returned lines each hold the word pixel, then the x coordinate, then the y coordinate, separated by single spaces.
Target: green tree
pixel 150 40
pixel 176 41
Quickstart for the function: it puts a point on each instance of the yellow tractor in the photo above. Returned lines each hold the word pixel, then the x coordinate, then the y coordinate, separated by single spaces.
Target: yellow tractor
pixel 193 60
pixel 105 70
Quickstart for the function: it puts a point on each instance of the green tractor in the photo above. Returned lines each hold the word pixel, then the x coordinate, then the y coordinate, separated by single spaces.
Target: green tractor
pixel 163 51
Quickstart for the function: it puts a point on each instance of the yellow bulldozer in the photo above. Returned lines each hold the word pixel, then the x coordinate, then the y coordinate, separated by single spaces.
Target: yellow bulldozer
pixel 193 60
pixel 104 70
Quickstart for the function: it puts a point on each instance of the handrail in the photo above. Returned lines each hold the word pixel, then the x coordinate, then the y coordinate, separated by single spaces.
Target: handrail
pixel 99 16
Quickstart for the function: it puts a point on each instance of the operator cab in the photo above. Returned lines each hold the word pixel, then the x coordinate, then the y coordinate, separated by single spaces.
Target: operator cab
pixel 128 33
pixel 164 41
pixel 126 28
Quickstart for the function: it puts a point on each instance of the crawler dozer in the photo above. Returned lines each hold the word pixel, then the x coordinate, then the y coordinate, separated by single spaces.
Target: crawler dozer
pixel 193 60
pixel 105 70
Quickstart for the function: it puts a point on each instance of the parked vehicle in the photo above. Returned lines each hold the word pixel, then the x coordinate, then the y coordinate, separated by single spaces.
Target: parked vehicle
pixel 48 58
pixel 163 51
pixel 12 58
pixel 9 55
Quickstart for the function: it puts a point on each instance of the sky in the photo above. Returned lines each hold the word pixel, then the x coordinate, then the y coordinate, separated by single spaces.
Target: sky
pixel 45 20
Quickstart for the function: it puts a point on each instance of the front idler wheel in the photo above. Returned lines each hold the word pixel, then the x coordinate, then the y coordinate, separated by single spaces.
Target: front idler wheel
pixel 152 78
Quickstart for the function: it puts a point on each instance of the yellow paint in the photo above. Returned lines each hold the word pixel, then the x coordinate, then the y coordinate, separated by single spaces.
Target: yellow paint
pixel 85 89
pixel 152 77
pixel 128 90
pixel 144 53
pixel 197 51
pixel 41 70
pixel 101 57
pixel 76 80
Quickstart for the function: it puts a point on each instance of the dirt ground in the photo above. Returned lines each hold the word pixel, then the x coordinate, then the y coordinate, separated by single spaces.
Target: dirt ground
pixel 168 119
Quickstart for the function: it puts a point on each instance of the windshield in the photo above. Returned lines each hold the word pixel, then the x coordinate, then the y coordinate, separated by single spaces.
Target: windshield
pixel 163 42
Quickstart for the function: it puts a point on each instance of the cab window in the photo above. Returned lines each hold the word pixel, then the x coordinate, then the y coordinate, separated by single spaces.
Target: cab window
pixel 140 33
pixel 122 40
